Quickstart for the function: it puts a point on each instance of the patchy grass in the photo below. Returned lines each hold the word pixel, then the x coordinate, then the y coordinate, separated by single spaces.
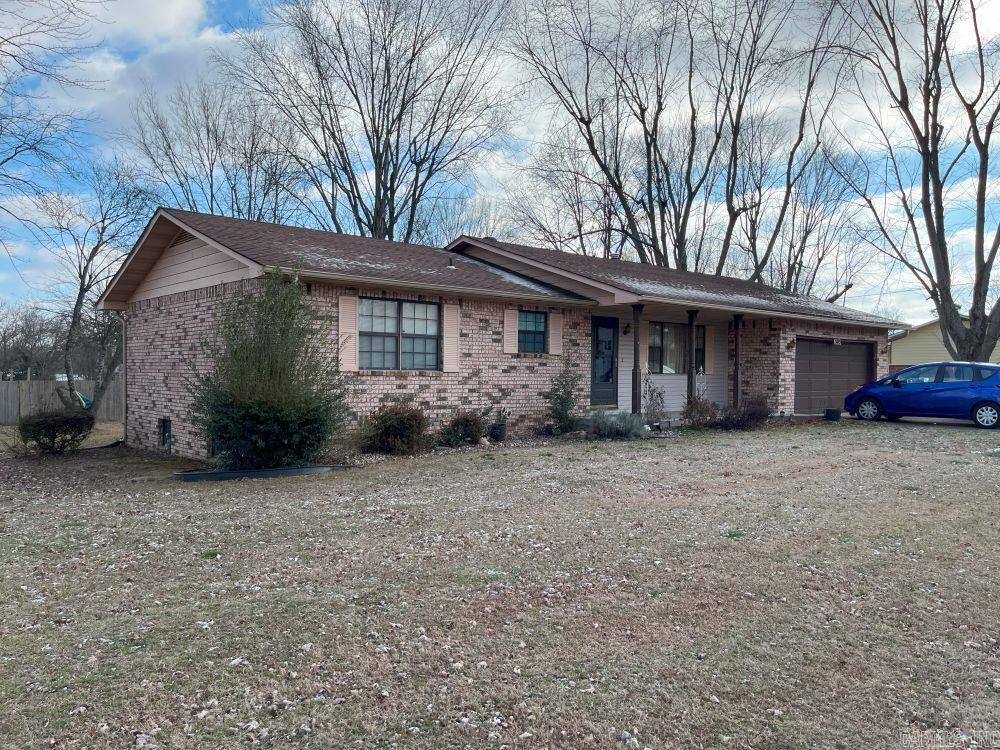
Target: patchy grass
pixel 708 593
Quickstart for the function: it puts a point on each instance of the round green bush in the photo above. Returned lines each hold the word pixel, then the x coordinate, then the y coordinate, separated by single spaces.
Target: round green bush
pixel 264 434
pixel 55 432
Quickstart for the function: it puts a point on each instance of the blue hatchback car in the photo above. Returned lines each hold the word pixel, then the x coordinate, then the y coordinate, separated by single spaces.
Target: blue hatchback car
pixel 957 390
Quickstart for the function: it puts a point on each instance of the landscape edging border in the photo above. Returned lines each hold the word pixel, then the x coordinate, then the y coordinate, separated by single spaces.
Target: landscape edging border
pixel 216 475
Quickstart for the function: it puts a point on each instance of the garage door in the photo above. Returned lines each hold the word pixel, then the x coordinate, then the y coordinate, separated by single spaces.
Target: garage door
pixel 826 371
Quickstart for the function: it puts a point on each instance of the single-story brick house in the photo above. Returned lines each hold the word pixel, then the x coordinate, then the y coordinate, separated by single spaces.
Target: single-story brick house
pixel 479 323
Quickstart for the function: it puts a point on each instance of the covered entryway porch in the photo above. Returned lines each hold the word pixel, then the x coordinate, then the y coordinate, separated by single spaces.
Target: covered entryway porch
pixel 680 351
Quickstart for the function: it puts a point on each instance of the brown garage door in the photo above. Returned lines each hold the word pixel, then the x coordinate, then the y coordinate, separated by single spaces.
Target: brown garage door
pixel 825 372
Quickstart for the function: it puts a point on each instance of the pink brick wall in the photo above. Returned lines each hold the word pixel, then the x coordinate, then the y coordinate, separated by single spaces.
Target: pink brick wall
pixel 164 336
pixel 767 364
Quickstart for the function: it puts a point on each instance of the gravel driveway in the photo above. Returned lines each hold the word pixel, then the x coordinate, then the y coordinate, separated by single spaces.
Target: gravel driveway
pixel 824 585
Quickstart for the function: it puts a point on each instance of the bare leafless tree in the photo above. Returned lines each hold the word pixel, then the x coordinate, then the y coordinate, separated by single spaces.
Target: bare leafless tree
pixel 685 110
pixel 38 41
pixel 610 68
pixel 209 148
pixel 929 81
pixel 88 232
pixel 776 115
pixel 804 240
pixel 564 201
pixel 29 342
pixel 391 102
pixel 470 213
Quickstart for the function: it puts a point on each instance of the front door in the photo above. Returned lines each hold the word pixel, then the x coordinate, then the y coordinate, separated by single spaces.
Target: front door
pixel 604 367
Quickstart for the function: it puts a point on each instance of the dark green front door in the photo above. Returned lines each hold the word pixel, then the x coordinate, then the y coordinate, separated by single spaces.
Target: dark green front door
pixel 604 362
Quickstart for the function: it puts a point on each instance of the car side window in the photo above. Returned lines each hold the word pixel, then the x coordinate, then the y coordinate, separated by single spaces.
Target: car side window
pixel 983 373
pixel 956 374
pixel 919 375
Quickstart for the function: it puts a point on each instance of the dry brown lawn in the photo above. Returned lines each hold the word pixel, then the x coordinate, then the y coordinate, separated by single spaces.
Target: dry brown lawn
pixel 808 586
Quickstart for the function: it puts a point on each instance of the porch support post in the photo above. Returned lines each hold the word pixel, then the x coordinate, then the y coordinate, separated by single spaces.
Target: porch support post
pixel 636 371
pixel 737 329
pixel 691 384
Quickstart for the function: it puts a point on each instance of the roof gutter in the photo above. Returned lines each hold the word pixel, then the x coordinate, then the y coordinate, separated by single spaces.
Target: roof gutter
pixel 776 313
pixel 445 288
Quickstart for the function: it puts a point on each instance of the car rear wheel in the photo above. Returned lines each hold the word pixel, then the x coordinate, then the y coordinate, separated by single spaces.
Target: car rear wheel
pixel 986 416
pixel 869 410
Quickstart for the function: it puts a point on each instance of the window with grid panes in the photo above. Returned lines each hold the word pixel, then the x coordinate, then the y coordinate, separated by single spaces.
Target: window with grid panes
pixel 399 335
pixel 531 330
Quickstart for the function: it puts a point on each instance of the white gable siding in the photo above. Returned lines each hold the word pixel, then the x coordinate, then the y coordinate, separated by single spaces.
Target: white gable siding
pixel 190 265
pixel 675 386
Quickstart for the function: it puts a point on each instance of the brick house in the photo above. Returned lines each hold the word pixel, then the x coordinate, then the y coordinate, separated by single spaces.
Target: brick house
pixel 480 323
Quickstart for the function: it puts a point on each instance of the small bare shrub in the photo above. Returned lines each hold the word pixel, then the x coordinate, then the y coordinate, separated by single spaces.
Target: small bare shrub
pixel 397 429
pixel 653 401
pixel 465 428
pixel 699 412
pixel 751 414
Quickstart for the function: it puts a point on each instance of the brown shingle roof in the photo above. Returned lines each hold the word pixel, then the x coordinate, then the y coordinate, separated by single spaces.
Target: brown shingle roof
pixel 361 258
pixel 656 283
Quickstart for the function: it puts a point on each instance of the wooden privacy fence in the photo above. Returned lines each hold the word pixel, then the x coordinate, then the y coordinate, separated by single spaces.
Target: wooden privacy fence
pixel 19 398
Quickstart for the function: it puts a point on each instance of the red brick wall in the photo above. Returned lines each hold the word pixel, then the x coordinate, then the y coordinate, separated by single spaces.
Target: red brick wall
pixel 164 336
pixel 759 359
pixel 162 347
pixel 767 363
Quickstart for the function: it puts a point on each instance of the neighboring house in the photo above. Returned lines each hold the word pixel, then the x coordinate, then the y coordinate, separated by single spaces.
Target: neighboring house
pixel 923 343
pixel 480 323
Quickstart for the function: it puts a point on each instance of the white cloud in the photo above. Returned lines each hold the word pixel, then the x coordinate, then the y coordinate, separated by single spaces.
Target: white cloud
pixel 116 80
pixel 27 272
pixel 152 20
